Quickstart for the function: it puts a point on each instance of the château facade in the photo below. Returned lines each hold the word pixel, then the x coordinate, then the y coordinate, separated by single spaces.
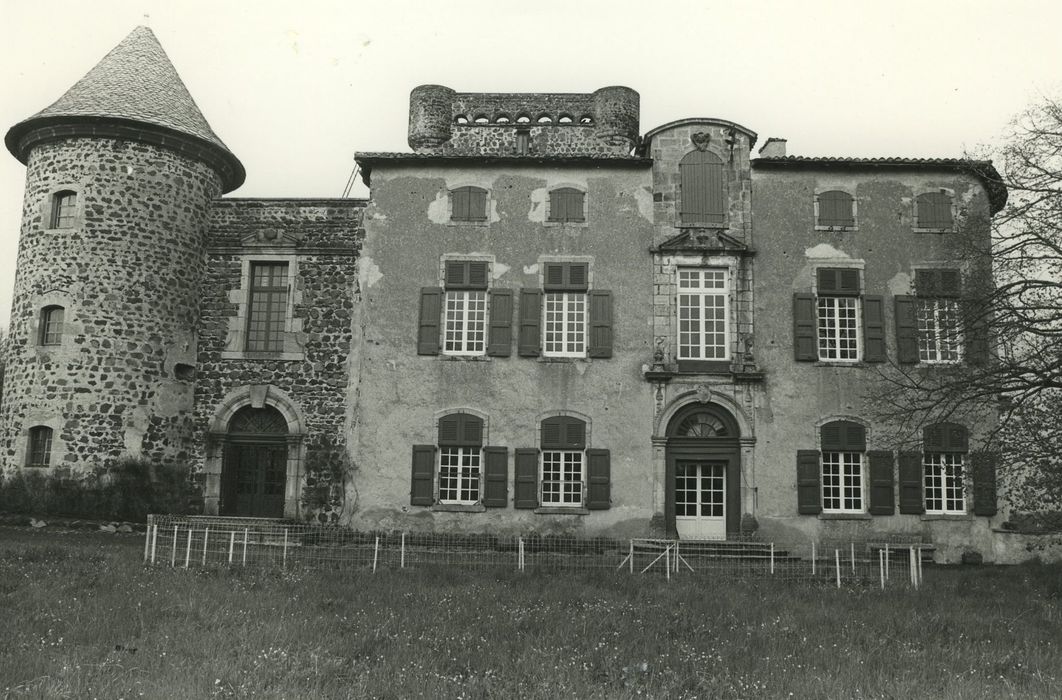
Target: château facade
pixel 541 319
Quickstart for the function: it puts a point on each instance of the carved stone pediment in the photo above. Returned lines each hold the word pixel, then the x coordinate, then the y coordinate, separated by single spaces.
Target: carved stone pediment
pixel 271 238
pixel 703 240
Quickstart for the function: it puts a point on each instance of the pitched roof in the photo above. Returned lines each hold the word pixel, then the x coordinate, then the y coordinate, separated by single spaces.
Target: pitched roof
pixel 135 82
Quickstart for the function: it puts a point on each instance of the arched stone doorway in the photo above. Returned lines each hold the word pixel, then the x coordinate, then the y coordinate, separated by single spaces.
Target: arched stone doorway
pixel 703 473
pixel 254 465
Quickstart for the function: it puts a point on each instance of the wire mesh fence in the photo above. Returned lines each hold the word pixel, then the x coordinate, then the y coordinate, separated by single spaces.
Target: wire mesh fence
pixel 199 541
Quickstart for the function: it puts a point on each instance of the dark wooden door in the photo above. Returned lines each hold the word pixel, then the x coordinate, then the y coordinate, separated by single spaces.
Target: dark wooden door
pixel 254 477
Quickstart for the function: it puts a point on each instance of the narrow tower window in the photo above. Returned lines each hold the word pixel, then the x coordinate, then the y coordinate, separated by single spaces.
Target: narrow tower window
pixel 51 325
pixel 64 205
pixel 39 453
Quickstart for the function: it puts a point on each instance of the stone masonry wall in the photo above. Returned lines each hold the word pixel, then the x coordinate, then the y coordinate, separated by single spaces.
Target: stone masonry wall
pixel 127 274
pixel 321 239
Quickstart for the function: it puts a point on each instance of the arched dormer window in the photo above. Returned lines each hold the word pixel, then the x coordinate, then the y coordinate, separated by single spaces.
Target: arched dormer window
pixel 64 209
pixel 51 325
pixel 39 448
pixel 468 204
pixel 702 199
pixel 835 210
pixel 933 211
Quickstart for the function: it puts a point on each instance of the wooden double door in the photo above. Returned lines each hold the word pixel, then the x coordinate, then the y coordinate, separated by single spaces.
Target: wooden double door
pixel 254 479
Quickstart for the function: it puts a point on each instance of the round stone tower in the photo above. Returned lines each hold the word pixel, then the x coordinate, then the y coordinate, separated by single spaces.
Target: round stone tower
pixel 120 173
pixel 430 116
pixel 617 109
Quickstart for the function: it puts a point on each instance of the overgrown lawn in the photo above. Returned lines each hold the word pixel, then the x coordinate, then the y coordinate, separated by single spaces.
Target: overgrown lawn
pixel 80 617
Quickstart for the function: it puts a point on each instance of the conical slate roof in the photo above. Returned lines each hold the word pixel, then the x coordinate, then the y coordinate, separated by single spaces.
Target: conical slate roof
pixel 135 82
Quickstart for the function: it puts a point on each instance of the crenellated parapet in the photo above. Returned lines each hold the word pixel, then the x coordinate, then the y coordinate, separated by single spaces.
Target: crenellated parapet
pixel 444 121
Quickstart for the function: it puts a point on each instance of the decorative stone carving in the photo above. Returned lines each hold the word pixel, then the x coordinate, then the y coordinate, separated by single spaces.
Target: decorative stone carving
pixel 700 140
pixel 703 393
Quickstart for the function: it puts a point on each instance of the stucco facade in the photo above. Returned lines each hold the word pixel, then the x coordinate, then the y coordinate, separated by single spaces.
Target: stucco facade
pixel 542 319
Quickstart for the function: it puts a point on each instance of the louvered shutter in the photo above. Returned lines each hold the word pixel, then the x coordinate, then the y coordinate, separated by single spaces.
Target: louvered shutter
pixel 525 478
pixel 471 429
pixel 874 329
pixel 495 477
pixel 906 329
pixel 838 281
pixel 598 479
pixel 945 437
pixel 422 483
pixel 600 344
pixel 566 277
pixel 950 284
pixel 578 277
pixel 843 436
pixel 835 209
pixel 461 430
pixel 428 326
pixel 466 274
pixel 477 274
pixel 530 339
pixel 983 467
pixel 563 433
pixel 229 471
pixel 927 283
pixel 911 479
pixel 805 333
pixel 500 341
pixel 934 210
pixel 882 496
pixel 809 500
pixel 975 329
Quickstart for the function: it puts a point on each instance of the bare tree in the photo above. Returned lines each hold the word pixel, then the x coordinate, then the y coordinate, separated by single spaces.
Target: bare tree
pixel 1012 313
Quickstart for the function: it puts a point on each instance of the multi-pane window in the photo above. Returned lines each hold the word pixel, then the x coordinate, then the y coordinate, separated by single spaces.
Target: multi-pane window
pixel 837 309
pixel 842 482
pixel 843 445
pixel 567 204
pixel 700 490
pixel 39 452
pixel 460 458
pixel 563 477
pixel 943 462
pixel 938 319
pixel 465 310
pixel 64 209
pixel 267 307
pixel 565 309
pixel 702 314
pixel 51 325
pixel 944 489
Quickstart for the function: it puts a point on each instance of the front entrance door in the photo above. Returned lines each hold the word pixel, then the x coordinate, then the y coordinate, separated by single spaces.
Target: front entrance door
pixel 700 500
pixel 258 475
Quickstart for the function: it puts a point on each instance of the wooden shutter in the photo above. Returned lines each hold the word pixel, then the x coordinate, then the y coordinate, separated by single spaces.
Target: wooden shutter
pixel 575 205
pixel 495 477
pixel 566 204
pixel 838 281
pixel 525 478
pixel 906 329
pixel 563 433
pixel 466 274
pixel 809 501
pixel 229 471
pixel 468 204
pixel 460 430
pixel 600 344
pixel 983 466
pixel 874 329
pixel 566 276
pixel 950 284
pixel 805 333
pixel 530 338
pixel 422 483
pixel 702 199
pixel 835 209
pixel 460 204
pixel 500 342
pixel 843 436
pixel 882 496
pixel 428 325
pixel 934 210
pixel 911 478
pixel 945 437
pixel 975 317
pixel 598 479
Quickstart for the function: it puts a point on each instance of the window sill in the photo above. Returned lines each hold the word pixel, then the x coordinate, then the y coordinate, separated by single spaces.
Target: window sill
pixel 840 363
pixel 916 229
pixel 569 224
pixel 845 516
pixel 717 226
pixel 561 510
pixel 836 229
pixel 458 508
pixel 251 355
pixel 561 360
pixel 964 517
pixel 460 222
pixel 464 358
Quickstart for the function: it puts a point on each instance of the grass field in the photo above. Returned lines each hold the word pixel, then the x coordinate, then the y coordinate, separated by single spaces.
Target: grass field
pixel 80 617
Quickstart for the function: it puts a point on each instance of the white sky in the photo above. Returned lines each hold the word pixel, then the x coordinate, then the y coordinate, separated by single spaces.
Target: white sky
pixel 294 88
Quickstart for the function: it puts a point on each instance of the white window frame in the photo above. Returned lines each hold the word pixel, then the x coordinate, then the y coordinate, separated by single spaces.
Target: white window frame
pixel 566 486
pixel 949 489
pixel 842 478
pixel 829 330
pixel 464 327
pixel 573 330
pixel 702 292
pixel 467 477
pixel 939 331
